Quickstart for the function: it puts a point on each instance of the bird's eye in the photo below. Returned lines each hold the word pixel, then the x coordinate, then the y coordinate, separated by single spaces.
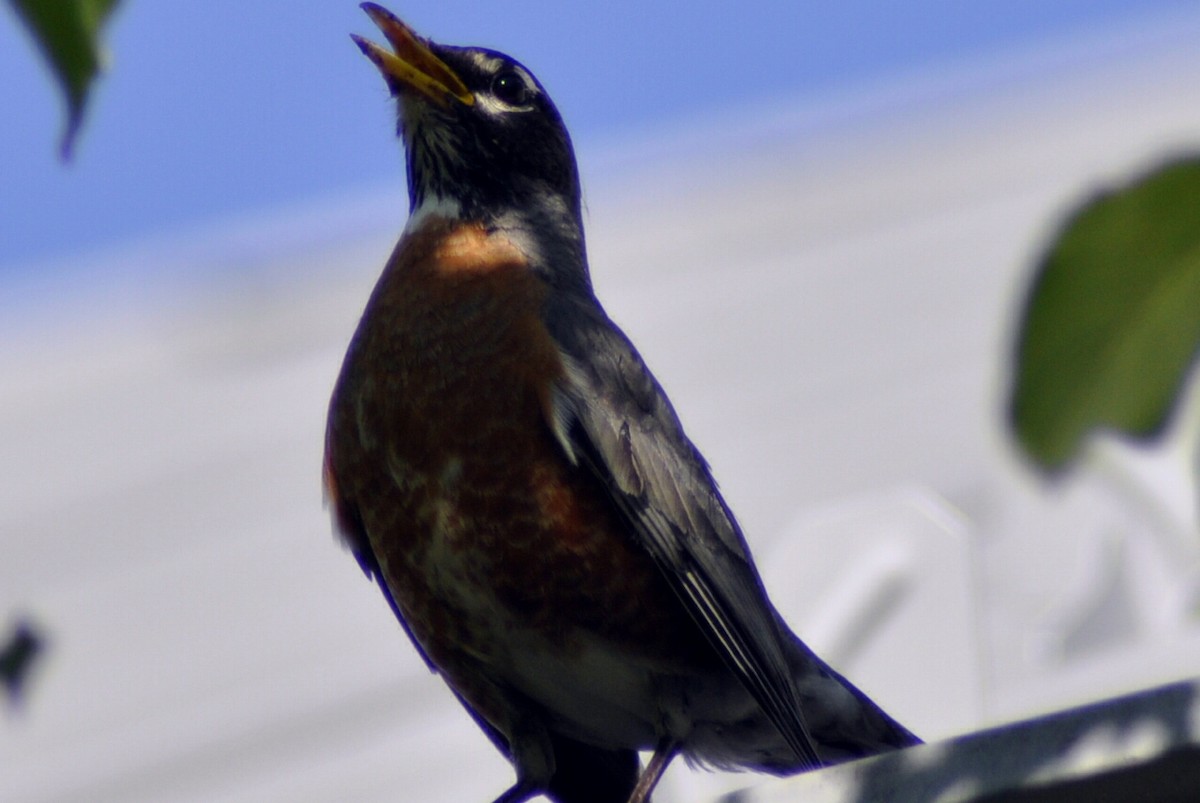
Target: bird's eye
pixel 510 88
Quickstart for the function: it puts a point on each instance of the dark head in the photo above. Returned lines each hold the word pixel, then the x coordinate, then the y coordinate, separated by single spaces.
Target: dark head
pixel 483 139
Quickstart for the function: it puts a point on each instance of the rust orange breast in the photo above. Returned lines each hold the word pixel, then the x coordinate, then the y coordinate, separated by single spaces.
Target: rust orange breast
pixel 440 440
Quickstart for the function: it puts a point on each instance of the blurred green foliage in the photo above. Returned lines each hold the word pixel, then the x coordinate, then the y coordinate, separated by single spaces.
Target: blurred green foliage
pixel 68 34
pixel 1112 324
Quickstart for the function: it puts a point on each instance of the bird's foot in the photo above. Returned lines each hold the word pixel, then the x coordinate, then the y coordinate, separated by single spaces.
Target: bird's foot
pixel 518 793
pixel 653 772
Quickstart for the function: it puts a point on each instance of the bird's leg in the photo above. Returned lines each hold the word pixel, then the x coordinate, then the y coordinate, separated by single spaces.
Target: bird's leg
pixel 654 770
pixel 518 793
pixel 529 748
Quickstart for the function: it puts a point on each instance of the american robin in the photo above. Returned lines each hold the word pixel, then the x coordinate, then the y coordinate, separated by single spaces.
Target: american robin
pixel 506 468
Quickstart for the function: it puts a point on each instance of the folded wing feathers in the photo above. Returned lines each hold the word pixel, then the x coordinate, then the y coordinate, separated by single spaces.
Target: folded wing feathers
pixel 612 418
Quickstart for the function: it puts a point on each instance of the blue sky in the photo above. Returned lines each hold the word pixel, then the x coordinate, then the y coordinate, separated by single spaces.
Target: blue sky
pixel 212 110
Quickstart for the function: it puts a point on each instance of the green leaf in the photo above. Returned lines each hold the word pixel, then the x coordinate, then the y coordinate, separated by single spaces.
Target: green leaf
pixel 68 34
pixel 1113 320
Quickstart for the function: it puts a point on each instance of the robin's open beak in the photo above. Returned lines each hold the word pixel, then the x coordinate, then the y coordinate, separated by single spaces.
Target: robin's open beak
pixel 412 66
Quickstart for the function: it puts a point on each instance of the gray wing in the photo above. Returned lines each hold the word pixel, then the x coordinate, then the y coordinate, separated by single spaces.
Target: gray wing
pixel 613 419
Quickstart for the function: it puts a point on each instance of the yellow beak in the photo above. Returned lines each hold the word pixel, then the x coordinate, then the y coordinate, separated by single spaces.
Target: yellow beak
pixel 411 64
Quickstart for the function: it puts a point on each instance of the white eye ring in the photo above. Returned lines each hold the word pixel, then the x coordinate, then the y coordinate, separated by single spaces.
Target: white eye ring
pixel 511 88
